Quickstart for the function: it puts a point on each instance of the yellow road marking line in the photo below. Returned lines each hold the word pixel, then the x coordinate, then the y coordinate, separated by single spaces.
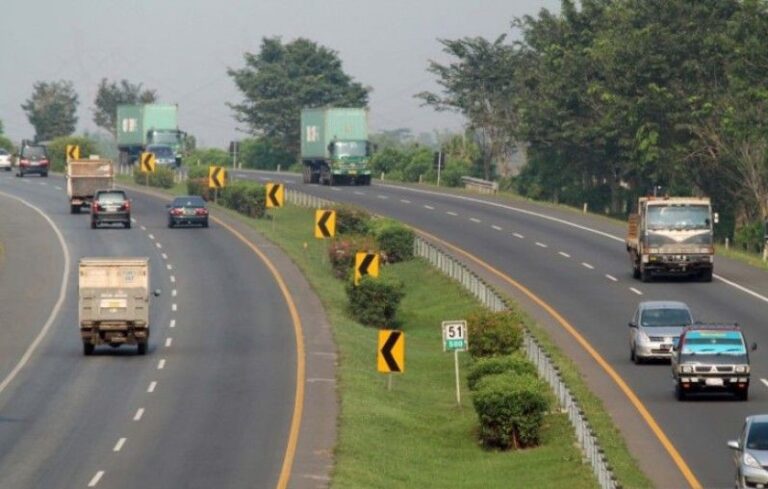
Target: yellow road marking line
pixel 636 402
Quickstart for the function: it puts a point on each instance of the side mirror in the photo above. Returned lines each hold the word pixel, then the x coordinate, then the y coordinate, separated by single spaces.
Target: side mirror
pixel 716 217
pixel 754 346
pixel 157 292
pixel 632 325
pixel 733 444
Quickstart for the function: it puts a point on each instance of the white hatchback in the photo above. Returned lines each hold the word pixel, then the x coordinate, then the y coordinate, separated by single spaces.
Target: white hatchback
pixel 5 160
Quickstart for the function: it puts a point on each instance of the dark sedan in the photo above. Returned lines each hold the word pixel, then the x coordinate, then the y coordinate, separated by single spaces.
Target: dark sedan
pixel 189 209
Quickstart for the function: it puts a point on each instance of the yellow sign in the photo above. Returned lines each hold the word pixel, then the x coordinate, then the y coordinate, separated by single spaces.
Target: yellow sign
pixel 325 223
pixel 73 152
pixel 275 195
pixel 390 354
pixel 217 177
pixel 147 161
pixel 366 264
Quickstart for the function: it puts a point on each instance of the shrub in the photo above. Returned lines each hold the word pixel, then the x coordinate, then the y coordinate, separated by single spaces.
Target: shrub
pixel 394 239
pixel 511 409
pixel 341 253
pixel 248 198
pixel 162 177
pixel 515 363
pixel 57 149
pixel 494 333
pixel 199 186
pixel 352 220
pixel 749 237
pixel 374 301
pixel 197 171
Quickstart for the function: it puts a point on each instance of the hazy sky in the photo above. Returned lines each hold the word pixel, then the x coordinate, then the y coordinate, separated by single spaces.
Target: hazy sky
pixel 182 49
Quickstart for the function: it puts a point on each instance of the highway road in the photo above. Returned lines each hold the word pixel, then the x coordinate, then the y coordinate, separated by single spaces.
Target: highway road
pixel 578 265
pixel 210 405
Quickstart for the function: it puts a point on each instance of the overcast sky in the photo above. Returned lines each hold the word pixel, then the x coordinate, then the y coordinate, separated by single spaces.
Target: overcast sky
pixel 182 48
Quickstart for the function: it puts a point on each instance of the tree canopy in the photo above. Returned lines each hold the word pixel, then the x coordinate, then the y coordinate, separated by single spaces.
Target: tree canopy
pixel 111 94
pixel 282 79
pixel 52 109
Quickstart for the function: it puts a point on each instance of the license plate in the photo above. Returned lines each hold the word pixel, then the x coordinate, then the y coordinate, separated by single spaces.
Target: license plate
pixel 714 382
pixel 188 212
pixel 114 304
pixel 353 172
pixel 666 347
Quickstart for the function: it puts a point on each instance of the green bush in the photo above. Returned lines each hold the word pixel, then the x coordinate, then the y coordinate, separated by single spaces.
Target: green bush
pixel 395 241
pixel 197 171
pixel 515 363
pixel 494 333
pixel 248 198
pixel 341 253
pixel 352 220
pixel 199 186
pixel 162 177
pixel 374 301
pixel 749 237
pixel 511 409
pixel 57 150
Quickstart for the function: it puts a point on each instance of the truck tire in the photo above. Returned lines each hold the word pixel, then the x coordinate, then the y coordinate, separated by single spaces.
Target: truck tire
pixel 88 349
pixel 94 224
pixel 74 209
pixel 307 174
pixel 127 224
pixel 705 275
pixel 141 348
pixel 645 275
pixel 742 395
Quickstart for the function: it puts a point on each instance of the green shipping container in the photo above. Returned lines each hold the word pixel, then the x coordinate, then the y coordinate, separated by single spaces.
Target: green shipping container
pixel 321 126
pixel 133 122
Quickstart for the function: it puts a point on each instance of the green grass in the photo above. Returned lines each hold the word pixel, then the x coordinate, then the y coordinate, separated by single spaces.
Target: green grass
pixel 753 259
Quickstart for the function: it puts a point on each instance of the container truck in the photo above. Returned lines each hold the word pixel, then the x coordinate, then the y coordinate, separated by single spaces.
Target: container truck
pixel 84 178
pixel 114 302
pixel 141 125
pixel 334 146
pixel 672 236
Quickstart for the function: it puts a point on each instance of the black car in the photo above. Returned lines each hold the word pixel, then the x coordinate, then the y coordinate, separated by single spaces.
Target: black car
pixel 189 209
pixel 33 158
pixel 110 207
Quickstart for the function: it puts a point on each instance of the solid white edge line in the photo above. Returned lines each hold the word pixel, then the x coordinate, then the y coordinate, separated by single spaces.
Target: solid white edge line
pixel 56 307
pixel 139 414
pixel 587 265
pixel 635 291
pixel 152 386
pixel 96 478
pixel 563 253
pixel 611 277
pixel 119 445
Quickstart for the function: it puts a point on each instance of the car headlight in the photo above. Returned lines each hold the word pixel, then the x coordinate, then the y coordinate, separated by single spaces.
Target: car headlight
pixel 741 369
pixel 642 337
pixel 686 369
pixel 751 461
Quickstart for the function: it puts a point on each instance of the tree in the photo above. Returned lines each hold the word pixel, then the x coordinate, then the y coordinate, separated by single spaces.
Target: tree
pixel 263 154
pixel 282 79
pixel 111 94
pixel 52 109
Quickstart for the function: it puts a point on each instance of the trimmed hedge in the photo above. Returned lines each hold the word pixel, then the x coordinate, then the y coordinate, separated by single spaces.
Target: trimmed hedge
pixel 515 363
pixel 248 198
pixel 394 239
pixel 162 177
pixel 494 333
pixel 511 409
pixel 375 301
pixel 341 253
pixel 352 220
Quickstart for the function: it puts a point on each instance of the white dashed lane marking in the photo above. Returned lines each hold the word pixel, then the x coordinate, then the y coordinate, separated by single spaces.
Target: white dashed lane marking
pixel 139 414
pixel 173 293
pixel 143 228
pixel 161 364
pixel 152 386
pixel 169 266
pixel 151 236
pixel 159 246
pixel 404 201
pixel 96 478
pixel 119 445
pixel 587 265
pixel 174 307
pixel 541 245
pixel 611 278
pixel 563 253
pixel 358 193
pixel 173 323
pixel 385 197
pixel 429 207
pixel 635 291
pixel 133 220
pixel 173 278
pixel 43 183
pixel 765 382
pixel 474 219
pixel 165 257
pixel 58 188
pixel 518 235
pixel 451 213
pixel 168 342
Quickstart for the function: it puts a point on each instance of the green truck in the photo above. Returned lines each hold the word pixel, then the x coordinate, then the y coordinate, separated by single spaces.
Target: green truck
pixel 334 146
pixel 138 126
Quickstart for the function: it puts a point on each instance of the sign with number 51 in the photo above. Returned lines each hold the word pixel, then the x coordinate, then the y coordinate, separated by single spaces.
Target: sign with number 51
pixel 455 337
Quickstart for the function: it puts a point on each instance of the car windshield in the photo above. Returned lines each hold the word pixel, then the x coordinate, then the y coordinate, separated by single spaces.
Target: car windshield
pixel 678 217
pixel 188 202
pixel 162 151
pixel 31 152
pixel 349 148
pixel 665 317
pixel 110 197
pixel 758 436
pixel 714 342
pixel 165 137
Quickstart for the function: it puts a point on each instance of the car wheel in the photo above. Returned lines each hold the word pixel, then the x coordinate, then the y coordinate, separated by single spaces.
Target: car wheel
pixel 94 224
pixel 20 174
pixel 680 394
pixel 127 224
pixel 170 223
pixel 141 348
pixel 205 223
pixel 44 174
pixel 88 349
pixel 638 359
pixel 742 395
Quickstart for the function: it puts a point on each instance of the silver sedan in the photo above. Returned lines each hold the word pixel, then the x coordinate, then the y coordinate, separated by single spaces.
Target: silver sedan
pixel 655 328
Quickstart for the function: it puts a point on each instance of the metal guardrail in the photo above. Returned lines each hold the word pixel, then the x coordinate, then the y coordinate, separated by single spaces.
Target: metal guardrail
pixel 547 370
pixel 480 185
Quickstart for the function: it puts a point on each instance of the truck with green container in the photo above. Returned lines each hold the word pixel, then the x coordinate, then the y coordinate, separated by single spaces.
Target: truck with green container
pixel 334 146
pixel 139 126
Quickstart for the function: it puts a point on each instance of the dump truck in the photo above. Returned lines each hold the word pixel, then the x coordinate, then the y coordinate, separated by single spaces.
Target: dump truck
pixel 334 146
pixel 141 125
pixel 672 236
pixel 84 178
pixel 114 299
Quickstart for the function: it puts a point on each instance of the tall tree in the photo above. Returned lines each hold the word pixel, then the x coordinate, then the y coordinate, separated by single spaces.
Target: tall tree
pixel 282 79
pixel 111 94
pixel 52 109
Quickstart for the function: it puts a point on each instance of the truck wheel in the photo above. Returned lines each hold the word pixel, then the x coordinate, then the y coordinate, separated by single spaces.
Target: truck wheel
pixel 679 392
pixel 127 224
pixel 88 349
pixel 94 224
pixel 74 209
pixel 742 395
pixel 141 348
pixel 307 174
pixel 645 275
pixel 705 275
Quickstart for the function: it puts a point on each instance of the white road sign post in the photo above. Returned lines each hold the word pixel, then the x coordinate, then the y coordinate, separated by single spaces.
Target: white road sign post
pixel 455 339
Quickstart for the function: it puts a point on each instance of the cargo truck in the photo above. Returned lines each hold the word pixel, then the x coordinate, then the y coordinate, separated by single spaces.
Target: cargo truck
pixel 114 302
pixel 84 178
pixel 334 146
pixel 672 236
pixel 141 125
